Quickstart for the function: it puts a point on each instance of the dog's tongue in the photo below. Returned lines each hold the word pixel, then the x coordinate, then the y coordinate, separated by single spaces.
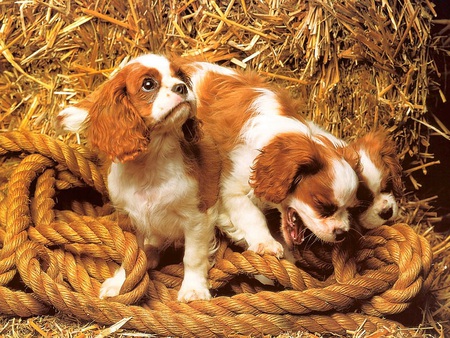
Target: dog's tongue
pixel 296 227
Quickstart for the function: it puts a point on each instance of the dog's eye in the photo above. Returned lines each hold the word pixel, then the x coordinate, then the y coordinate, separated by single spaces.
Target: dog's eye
pixel 327 210
pixel 149 84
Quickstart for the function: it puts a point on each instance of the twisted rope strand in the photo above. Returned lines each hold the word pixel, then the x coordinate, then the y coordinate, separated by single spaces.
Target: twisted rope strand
pixel 20 304
pixel 63 256
pixel 160 322
pixel 18 214
pixel 79 161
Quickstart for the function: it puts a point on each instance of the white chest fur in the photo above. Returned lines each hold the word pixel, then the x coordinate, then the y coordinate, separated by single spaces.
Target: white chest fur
pixel 156 191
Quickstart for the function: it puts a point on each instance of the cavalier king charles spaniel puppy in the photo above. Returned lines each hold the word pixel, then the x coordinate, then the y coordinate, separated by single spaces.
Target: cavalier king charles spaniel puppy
pixel 271 158
pixel 380 176
pixel 164 169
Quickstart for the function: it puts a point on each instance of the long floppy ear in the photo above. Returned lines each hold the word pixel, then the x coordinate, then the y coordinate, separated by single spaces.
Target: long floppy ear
pixel 391 159
pixel 351 156
pixel 192 131
pixel 281 164
pixel 114 125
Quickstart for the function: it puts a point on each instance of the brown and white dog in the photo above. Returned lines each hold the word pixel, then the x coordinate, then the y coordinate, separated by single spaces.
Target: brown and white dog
pixel 165 170
pixel 272 158
pixel 380 175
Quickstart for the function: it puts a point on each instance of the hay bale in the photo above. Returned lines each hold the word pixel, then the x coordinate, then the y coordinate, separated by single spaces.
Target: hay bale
pixel 355 64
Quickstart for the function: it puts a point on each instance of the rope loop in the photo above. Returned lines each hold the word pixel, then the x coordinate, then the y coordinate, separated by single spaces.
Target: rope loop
pixel 61 238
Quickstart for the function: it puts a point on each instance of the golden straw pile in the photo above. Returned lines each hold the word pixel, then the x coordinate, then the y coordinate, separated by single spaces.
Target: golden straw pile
pixel 356 65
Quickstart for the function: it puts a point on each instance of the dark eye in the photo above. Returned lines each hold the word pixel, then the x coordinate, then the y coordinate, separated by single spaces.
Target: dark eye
pixel 326 209
pixel 149 84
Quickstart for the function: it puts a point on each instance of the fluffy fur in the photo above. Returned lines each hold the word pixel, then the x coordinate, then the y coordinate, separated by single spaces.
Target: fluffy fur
pixel 165 170
pixel 271 158
pixel 380 180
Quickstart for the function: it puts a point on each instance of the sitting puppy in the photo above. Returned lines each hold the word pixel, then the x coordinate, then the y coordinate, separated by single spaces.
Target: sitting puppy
pixel 380 179
pixel 271 159
pixel 165 170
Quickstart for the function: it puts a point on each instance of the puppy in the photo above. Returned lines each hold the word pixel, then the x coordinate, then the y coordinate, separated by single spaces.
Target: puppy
pixel 165 170
pixel 271 159
pixel 380 177
pixel 379 172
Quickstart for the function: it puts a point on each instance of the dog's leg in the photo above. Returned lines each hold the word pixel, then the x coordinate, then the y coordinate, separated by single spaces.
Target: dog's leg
pixel 152 248
pixel 249 221
pixel 197 251
pixel 111 286
pixel 152 253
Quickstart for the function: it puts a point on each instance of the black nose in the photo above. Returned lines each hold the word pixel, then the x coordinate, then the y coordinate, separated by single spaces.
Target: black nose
pixel 340 235
pixel 180 89
pixel 386 214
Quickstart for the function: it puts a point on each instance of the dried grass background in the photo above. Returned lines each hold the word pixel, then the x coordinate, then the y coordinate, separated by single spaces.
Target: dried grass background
pixel 355 64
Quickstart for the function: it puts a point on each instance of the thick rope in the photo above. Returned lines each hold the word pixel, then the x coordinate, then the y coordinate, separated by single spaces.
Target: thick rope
pixel 63 252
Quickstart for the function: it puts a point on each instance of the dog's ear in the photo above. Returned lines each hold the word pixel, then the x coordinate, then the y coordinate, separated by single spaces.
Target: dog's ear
pixel 114 126
pixel 389 155
pixel 281 165
pixel 192 131
pixel 350 154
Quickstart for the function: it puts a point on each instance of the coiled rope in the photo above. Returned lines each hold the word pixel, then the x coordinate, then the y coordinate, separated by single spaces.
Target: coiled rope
pixel 56 257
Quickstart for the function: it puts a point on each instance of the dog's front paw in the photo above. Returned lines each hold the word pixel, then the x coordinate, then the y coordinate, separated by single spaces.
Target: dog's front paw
pixel 270 246
pixel 111 286
pixel 189 293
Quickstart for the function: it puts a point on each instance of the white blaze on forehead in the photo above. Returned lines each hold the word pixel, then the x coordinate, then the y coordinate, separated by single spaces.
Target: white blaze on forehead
pixel 157 62
pixel 370 172
pixel 345 183
pixel 166 99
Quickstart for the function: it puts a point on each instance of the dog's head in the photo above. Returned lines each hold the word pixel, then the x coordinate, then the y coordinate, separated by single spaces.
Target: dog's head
pixel 380 175
pixel 149 96
pixel 311 182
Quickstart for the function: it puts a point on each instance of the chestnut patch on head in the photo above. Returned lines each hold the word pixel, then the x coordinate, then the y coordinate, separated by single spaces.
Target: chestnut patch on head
pixel 142 87
pixel 382 151
pixel 115 125
pixel 282 164
pixel 306 170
